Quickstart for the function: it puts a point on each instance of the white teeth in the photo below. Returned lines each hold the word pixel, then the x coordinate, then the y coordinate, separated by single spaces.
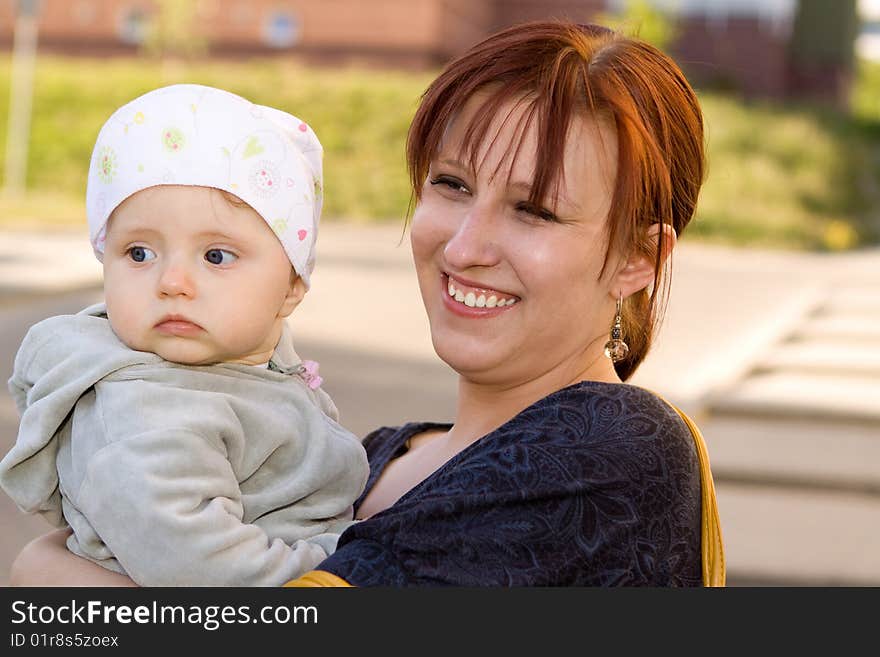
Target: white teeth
pixel 471 300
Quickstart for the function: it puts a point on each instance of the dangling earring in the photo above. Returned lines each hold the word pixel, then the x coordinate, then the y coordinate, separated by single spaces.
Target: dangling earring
pixel 616 349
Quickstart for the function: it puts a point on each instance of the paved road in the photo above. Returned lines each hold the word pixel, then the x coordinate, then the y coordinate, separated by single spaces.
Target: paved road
pixel 750 347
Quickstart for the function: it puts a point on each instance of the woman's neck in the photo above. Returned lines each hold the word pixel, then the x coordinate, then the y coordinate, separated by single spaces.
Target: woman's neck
pixel 484 407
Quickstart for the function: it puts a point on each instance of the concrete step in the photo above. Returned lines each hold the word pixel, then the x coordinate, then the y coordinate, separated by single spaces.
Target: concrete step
pixel 26 263
pixel 854 300
pixel 844 397
pixel 792 537
pixel 824 355
pixel 858 328
pixel 818 455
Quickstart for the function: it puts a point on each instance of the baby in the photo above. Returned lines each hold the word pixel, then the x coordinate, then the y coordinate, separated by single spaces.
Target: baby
pixel 174 428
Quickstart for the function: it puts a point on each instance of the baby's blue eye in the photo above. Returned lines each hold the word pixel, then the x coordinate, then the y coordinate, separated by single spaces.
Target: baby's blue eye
pixel 220 257
pixel 141 254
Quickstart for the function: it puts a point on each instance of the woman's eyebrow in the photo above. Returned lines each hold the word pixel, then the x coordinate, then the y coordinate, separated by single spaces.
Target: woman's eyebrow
pixel 453 162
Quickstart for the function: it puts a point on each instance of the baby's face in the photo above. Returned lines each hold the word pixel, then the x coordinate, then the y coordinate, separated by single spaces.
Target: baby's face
pixel 195 279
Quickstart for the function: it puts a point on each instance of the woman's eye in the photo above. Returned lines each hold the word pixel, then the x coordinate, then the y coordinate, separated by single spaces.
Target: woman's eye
pixel 540 213
pixel 220 257
pixel 141 254
pixel 451 183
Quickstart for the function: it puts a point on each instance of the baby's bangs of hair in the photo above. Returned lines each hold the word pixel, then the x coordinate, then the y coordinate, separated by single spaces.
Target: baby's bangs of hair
pixel 537 68
pixel 233 200
pixel 228 199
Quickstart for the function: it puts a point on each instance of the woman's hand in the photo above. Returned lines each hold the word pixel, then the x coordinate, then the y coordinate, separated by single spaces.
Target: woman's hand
pixel 46 561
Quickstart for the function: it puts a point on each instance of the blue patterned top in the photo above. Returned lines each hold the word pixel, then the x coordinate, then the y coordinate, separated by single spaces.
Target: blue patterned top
pixel 596 484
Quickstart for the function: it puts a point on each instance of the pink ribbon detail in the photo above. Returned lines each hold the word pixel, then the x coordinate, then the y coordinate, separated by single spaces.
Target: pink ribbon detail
pixel 309 373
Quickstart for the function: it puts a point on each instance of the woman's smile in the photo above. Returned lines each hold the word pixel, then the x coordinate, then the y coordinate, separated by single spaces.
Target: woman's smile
pixel 470 300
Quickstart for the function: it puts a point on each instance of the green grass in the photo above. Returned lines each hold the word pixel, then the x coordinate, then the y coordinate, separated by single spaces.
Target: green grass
pixel 781 176
pixel 866 92
pixel 795 177
pixel 360 117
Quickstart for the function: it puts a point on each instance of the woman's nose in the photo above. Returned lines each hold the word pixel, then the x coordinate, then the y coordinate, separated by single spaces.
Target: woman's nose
pixel 176 280
pixel 474 242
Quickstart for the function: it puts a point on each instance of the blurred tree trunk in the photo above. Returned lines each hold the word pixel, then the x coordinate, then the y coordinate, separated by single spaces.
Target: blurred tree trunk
pixel 822 50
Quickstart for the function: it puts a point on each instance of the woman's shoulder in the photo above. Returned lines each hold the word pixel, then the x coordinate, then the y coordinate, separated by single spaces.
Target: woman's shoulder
pixel 598 427
pixel 596 411
pixel 600 393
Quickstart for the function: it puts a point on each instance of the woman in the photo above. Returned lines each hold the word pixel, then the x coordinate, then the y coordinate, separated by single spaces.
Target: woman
pixel 554 166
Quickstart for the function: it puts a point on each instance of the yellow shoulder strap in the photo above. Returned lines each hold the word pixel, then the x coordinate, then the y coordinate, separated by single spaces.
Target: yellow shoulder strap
pixel 317 578
pixel 712 546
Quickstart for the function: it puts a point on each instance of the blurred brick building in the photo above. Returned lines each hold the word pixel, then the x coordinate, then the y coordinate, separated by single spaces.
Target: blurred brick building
pixel 770 48
pixel 743 44
pixel 398 32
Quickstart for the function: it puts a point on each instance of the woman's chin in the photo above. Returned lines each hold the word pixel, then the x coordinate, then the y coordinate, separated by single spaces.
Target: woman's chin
pixel 473 362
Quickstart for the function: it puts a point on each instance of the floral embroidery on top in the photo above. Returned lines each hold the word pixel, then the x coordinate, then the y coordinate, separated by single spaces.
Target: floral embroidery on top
pixel 107 166
pixel 252 148
pixel 173 139
pixel 264 179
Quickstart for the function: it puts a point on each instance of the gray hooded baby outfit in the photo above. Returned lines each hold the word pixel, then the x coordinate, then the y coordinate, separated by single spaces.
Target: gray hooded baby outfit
pixel 220 475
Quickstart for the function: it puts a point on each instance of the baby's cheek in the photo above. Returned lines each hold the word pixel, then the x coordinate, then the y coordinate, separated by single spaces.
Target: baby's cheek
pixel 124 322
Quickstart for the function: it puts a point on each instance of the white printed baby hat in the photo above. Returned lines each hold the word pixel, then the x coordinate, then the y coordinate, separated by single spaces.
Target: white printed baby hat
pixel 188 134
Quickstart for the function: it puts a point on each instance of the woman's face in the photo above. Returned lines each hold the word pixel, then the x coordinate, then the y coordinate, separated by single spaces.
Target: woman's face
pixel 513 292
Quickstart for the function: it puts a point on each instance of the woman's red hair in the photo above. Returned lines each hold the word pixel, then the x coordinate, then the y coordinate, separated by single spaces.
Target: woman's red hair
pixel 562 70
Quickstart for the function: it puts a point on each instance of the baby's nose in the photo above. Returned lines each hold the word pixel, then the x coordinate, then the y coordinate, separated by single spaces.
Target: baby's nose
pixel 176 280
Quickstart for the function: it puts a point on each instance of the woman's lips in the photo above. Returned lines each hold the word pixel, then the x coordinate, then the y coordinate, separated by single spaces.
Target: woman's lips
pixel 469 300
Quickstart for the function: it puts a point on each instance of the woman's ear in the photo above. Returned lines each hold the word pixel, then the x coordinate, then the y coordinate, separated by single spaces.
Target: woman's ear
pixel 638 271
pixel 295 294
